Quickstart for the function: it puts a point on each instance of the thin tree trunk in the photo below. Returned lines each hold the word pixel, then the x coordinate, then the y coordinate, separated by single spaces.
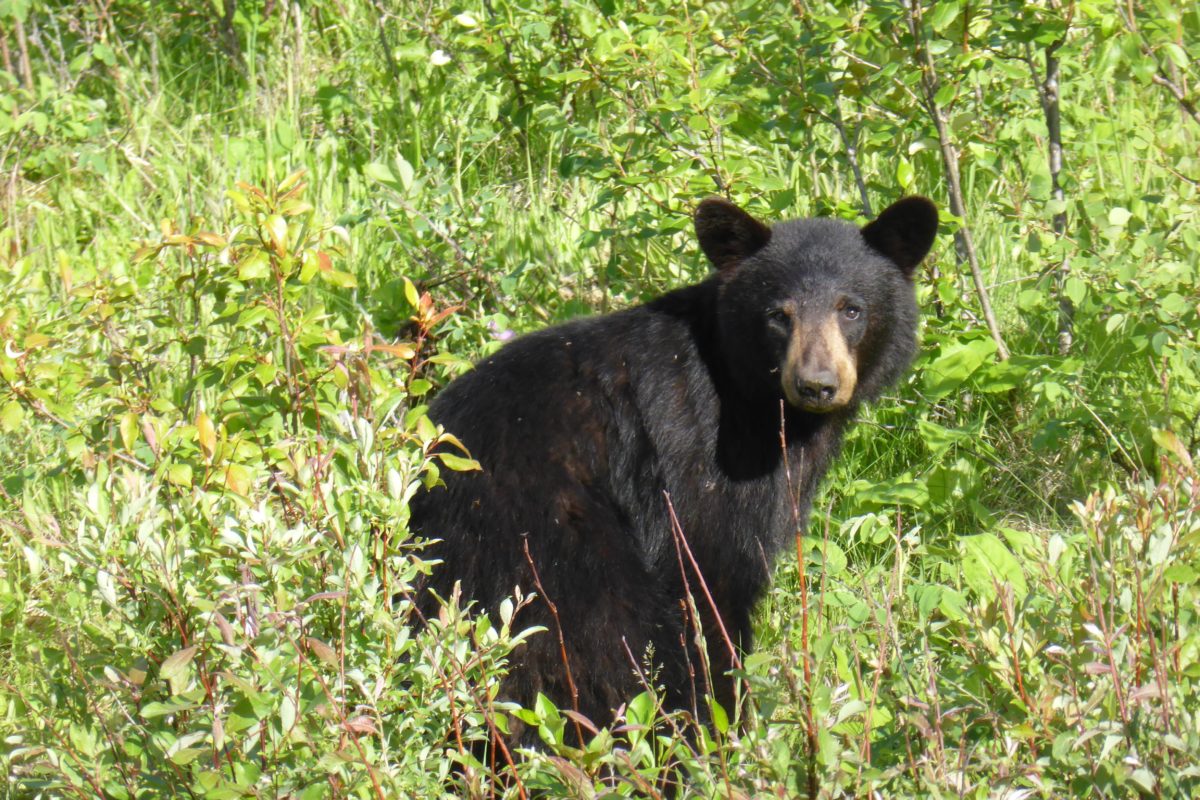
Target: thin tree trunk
pixel 839 121
pixel 848 142
pixel 5 56
pixel 384 44
pixel 964 244
pixel 1048 93
pixel 233 47
pixel 23 52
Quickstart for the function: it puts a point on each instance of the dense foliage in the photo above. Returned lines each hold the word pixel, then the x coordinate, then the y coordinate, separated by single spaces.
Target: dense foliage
pixel 242 241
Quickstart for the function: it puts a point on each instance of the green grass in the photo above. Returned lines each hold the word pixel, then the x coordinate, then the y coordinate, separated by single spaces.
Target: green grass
pixel 207 443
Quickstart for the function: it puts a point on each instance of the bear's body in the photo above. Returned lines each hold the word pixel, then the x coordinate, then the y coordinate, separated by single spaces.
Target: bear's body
pixel 584 430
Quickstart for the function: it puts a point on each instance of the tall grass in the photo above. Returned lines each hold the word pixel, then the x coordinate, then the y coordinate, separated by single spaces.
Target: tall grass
pixel 209 432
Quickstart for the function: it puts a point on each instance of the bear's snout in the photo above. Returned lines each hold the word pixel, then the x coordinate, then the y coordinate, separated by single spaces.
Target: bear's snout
pixel 819 373
pixel 817 391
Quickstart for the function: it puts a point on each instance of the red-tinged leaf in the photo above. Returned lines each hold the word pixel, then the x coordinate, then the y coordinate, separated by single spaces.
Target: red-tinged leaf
pixel 322 596
pixel 151 434
pixel 360 725
pixel 292 180
pixel 292 197
pixel 211 239
pixel 206 435
pixel 404 351
pixel 254 190
pixel 239 479
pixel 582 720
pixel 294 208
pixel 322 650
pixel 445 312
pixel 576 779
pixel 148 251
pixel 277 232
pixel 1097 668
pixel 175 664
pixel 450 438
pixel 227 635
pixel 324 262
pixel 1149 691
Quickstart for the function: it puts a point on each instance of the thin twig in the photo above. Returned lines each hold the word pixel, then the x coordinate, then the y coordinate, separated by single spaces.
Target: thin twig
pixel 562 644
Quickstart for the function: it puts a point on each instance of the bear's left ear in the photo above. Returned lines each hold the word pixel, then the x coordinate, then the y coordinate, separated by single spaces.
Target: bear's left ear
pixel 727 234
pixel 904 231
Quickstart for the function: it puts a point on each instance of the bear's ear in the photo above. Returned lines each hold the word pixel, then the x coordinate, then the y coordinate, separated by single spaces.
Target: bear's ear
pixel 904 231
pixel 727 234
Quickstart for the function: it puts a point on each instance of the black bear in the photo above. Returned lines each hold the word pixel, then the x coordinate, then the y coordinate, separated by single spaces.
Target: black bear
pixel 603 439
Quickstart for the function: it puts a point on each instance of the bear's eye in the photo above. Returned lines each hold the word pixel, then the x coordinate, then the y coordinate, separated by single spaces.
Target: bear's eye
pixel 851 312
pixel 779 316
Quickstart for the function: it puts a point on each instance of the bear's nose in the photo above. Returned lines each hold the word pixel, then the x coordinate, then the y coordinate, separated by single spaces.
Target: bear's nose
pixel 817 389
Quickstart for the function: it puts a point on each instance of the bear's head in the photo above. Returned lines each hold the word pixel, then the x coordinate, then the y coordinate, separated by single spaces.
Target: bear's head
pixel 818 311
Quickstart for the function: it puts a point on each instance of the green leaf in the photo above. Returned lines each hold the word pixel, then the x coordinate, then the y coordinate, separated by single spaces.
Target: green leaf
pixel 1178 55
pixel 288 711
pixel 986 562
pixel 943 14
pixel 1143 780
pixel 381 172
pixel 1118 216
pixel 720 719
pixel 640 710
pixel 570 76
pixel 928 597
pixel 833 557
pixel 180 475
pixel 458 463
pixel 953 605
pixel 398 175
pixel 343 279
pixel 904 174
pixel 129 430
pixel 254 266
pixel 406 171
pixel 174 668
pixel 1179 573
pixel 104 54
pixel 410 293
pixel 11 416
pixel 1075 289
pixel 956 362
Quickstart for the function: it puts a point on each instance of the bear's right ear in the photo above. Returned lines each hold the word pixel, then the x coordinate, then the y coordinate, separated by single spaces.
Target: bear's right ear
pixel 904 231
pixel 727 234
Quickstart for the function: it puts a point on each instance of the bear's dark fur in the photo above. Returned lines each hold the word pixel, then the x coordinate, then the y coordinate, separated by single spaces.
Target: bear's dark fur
pixel 584 430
